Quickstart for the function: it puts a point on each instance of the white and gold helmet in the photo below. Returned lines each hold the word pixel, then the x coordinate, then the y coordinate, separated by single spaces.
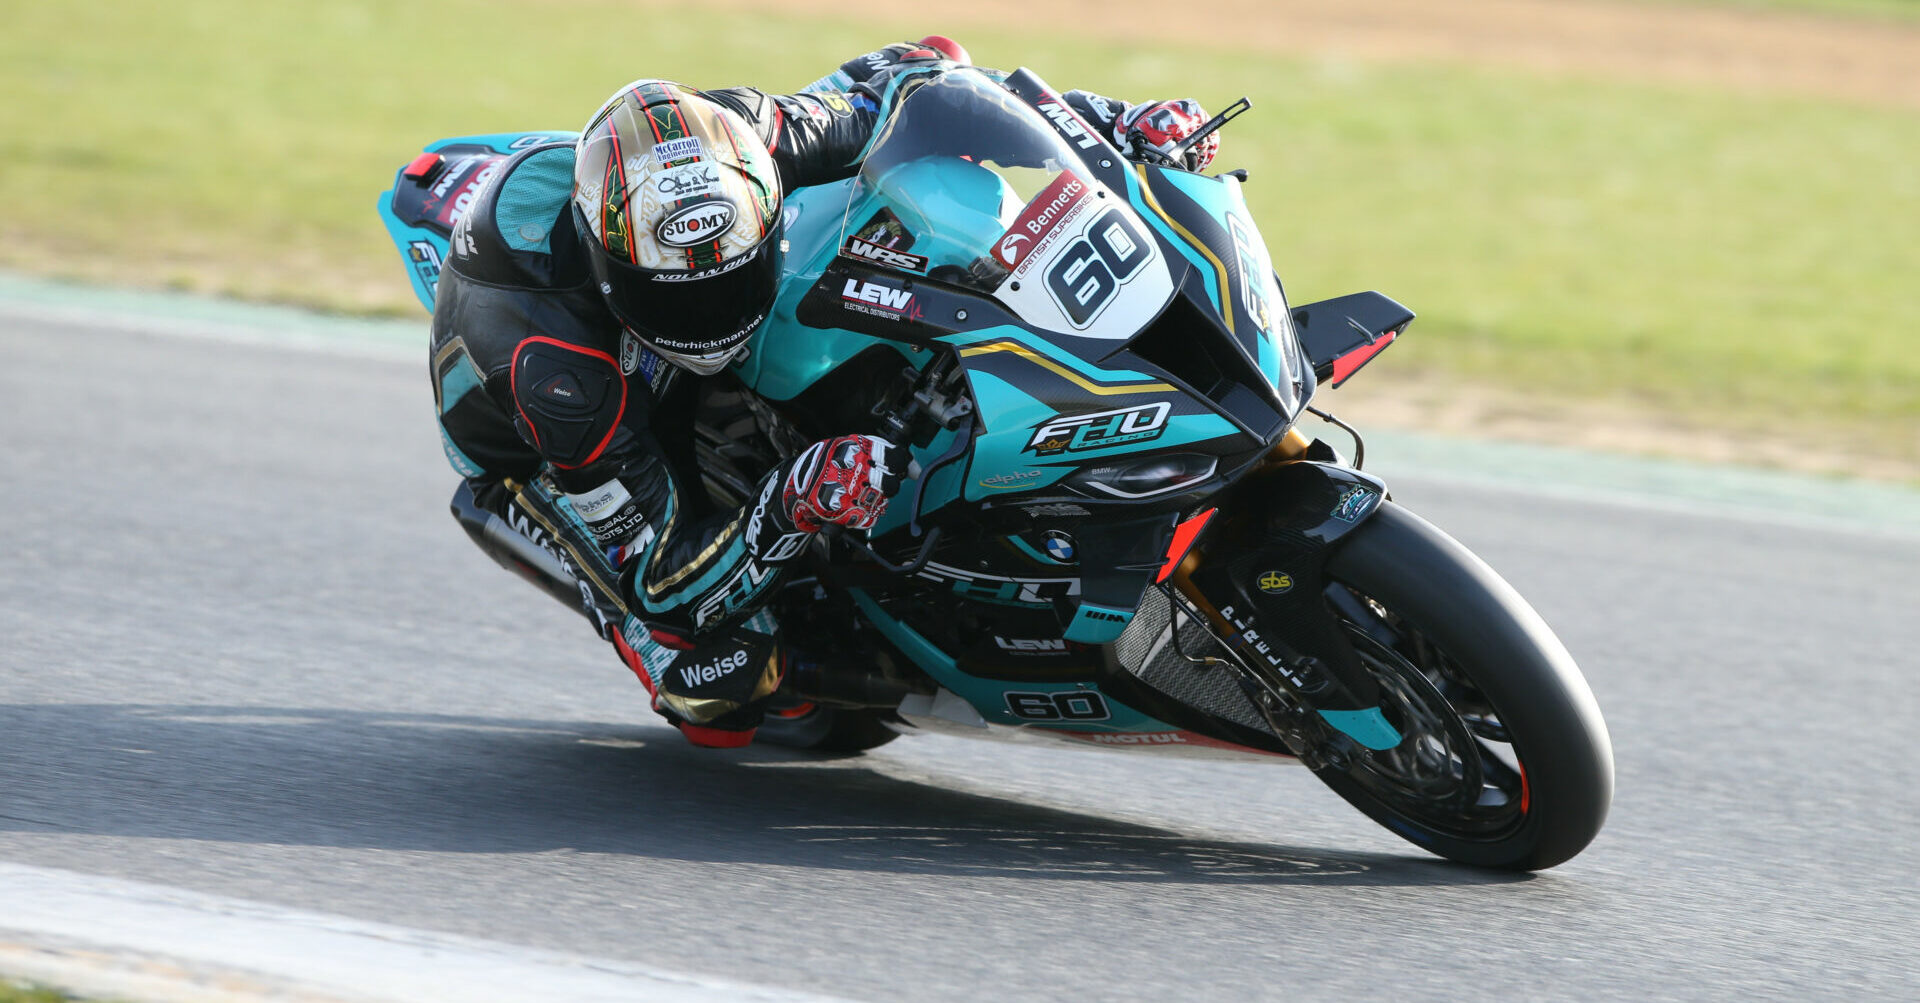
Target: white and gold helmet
pixel 680 204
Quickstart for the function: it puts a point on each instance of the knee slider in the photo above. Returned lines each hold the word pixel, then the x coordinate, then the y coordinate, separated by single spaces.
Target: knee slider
pixel 570 399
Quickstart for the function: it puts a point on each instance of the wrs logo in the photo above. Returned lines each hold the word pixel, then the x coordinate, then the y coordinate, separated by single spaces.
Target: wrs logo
pixel 864 250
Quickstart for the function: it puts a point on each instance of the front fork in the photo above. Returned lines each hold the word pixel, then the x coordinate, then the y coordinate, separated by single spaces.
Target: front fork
pixel 1259 582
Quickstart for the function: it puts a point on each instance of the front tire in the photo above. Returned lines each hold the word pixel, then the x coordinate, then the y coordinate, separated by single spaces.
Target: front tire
pixel 1507 762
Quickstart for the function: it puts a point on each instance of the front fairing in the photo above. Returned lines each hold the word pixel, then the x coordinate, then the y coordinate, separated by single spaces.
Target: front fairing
pixel 1129 354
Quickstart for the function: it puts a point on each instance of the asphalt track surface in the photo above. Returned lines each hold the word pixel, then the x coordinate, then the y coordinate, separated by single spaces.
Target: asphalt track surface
pixel 246 652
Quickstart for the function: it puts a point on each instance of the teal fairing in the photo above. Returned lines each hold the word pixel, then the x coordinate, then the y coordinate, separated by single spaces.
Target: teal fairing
pixel 1079 342
pixel 963 166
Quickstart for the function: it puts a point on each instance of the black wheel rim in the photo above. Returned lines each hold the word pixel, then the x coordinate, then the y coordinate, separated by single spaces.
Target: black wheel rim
pixel 1455 771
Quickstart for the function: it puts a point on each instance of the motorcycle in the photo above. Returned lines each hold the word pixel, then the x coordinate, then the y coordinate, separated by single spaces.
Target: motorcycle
pixel 1114 534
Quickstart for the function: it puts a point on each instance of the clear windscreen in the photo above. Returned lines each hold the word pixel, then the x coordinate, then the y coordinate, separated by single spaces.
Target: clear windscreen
pixel 968 184
pixel 950 173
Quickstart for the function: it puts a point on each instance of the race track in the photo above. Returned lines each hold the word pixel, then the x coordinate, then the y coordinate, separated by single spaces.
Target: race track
pixel 248 653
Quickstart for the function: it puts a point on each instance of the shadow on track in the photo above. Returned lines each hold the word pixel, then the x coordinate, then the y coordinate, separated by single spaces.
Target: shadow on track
pixel 490 785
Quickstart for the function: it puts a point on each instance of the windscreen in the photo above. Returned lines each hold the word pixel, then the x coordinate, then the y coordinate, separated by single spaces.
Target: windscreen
pixel 967 184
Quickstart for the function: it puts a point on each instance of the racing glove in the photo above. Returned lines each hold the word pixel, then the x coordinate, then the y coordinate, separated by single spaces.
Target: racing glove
pixel 844 481
pixel 1155 128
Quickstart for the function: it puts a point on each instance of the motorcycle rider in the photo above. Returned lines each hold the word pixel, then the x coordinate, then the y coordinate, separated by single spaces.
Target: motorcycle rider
pixel 592 286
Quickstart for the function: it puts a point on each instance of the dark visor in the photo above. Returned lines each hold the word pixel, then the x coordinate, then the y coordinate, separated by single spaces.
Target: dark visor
pixel 697 313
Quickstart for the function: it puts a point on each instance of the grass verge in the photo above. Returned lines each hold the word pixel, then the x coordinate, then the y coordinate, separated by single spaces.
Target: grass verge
pixel 1738 261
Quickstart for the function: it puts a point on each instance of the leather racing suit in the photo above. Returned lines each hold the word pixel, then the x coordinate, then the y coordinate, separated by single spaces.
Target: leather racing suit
pixel 576 438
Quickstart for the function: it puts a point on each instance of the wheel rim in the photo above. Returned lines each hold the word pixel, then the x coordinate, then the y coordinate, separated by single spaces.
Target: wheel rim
pixel 1455 770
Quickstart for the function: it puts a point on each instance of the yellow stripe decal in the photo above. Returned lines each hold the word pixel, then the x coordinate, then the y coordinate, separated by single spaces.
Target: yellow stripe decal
pixel 1072 377
pixel 1146 192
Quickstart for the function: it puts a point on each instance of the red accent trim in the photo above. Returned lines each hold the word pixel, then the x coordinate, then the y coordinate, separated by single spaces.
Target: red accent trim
pixel 715 738
pixel 423 166
pixel 1347 364
pixel 948 47
pixel 796 711
pixel 1183 538
pixel 921 54
pixel 514 386
pixel 672 641
pixel 1526 792
pixel 632 658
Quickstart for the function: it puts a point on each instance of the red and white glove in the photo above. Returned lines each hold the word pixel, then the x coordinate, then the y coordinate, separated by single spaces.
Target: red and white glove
pixel 1159 126
pixel 845 481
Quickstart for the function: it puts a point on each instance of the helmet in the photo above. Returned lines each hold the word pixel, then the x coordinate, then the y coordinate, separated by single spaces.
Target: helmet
pixel 679 203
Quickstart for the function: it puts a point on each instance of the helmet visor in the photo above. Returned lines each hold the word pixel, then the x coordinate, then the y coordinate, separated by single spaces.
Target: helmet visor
pixel 692 318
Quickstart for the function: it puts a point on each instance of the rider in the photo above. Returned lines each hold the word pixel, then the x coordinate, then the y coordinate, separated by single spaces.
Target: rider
pixel 592 286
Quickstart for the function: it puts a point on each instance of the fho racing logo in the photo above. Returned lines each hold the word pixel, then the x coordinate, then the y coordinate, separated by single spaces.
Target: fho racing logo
pixel 1100 430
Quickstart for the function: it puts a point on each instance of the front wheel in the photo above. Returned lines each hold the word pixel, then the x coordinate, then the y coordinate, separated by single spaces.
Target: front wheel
pixel 1505 761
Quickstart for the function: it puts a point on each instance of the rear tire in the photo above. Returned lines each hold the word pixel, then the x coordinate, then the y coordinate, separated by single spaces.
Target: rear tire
pixel 1448 635
pixel 826 729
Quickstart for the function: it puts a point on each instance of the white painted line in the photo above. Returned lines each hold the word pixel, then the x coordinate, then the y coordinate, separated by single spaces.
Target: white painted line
pixel 156 944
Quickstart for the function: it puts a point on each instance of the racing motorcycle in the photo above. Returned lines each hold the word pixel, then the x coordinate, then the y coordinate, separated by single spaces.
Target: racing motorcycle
pixel 1114 533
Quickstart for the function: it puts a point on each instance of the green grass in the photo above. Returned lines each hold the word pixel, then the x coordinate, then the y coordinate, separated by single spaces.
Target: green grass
pixel 1734 258
pixel 12 991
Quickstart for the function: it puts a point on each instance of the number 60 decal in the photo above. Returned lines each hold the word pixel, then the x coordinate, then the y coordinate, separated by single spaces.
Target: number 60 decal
pixel 1089 271
pixel 1071 705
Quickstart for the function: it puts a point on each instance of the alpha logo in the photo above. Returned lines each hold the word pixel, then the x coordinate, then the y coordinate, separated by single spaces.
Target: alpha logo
pixel 1100 430
pixel 1043 219
pixel 1275 583
pixel 706 672
pixel 1030 645
pixel 671 152
pixel 878 299
pixel 864 250
pixel 696 224
pixel 1068 123
pixel 1009 480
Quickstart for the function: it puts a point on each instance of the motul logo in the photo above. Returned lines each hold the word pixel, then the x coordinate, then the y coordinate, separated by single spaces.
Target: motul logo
pixel 877 293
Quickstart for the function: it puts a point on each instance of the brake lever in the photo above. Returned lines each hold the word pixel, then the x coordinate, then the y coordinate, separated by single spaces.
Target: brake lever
pixel 835 531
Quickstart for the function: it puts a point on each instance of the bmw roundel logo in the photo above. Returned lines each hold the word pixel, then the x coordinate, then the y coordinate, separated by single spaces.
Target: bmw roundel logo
pixel 1059 545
